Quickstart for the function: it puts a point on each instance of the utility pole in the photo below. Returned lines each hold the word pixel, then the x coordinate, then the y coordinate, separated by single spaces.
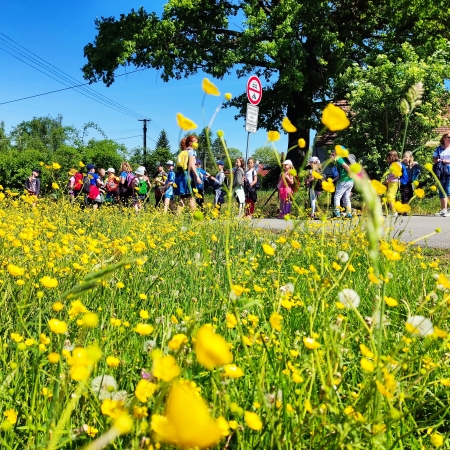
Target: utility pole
pixel 145 137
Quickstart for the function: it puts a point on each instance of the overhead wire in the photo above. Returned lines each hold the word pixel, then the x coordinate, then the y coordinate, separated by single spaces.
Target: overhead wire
pixel 63 80
pixel 67 79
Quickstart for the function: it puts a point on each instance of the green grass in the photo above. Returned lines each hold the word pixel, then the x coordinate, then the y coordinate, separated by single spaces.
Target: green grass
pixel 182 272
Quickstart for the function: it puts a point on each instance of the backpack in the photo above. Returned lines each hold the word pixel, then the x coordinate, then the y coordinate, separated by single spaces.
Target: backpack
pixel 77 186
pixel 112 184
pixel 182 160
pixel 129 180
pixel 404 178
pixel 86 188
pixel 258 183
pixel 295 186
pixel 142 187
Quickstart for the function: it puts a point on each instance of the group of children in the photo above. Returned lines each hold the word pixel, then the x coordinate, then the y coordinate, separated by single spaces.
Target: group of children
pixel 187 181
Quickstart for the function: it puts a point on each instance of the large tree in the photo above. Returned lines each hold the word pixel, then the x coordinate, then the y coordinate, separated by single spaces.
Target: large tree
pixel 375 93
pixel 299 47
pixel 163 141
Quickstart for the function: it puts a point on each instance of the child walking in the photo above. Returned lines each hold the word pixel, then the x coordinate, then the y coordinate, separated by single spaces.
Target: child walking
pixel 168 187
pixel 219 179
pixel 285 184
pixel 393 180
pixel 238 185
pixel 313 183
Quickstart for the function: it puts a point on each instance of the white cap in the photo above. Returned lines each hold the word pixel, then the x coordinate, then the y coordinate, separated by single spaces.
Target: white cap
pixel 111 170
pixel 314 160
pixel 288 161
pixel 140 170
pixel 169 163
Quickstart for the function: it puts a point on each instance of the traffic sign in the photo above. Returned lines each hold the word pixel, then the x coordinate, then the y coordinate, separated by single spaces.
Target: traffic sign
pixel 251 120
pixel 254 90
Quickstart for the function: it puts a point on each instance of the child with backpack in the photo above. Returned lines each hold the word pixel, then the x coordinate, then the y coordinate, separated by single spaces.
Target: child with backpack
pixel 75 184
pixel 344 184
pixel 250 186
pixel 314 183
pixel 238 185
pixel 410 173
pixel 112 187
pixel 285 183
pixel 186 176
pixel 219 181
pixel 168 188
pixel 392 180
pixel 91 186
pixel 33 183
pixel 203 175
pixel 140 188
pixel 441 168
pixel 126 183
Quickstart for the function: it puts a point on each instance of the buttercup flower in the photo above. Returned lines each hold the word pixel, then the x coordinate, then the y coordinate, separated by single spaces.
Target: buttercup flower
pixel 273 136
pixel 49 282
pixel 233 371
pixel 228 96
pixel 184 123
pixel 287 126
pixel 15 271
pixel 268 250
pixel 334 118
pixel 275 321
pixel 328 186
pixel 164 367
pixel 186 421
pixel 144 390
pixel 419 193
pixel 310 343
pixel 144 329
pixel 209 88
pixel 252 420
pixel 212 349
pixel 341 151
pixel 301 143
pixel 380 188
pixel 57 326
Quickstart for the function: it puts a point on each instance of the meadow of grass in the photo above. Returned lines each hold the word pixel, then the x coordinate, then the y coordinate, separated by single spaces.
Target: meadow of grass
pixel 151 331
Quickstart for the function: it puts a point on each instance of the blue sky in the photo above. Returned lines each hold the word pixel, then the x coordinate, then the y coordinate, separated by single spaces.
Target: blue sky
pixel 57 32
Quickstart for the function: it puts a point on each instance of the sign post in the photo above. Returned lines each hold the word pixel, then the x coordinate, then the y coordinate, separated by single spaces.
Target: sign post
pixel 254 95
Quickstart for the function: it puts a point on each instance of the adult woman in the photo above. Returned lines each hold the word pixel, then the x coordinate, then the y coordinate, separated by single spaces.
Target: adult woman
pixel 186 172
pixel 238 185
pixel 441 159
pixel 251 178
pixel 126 183
pixel 412 173
pixel 314 184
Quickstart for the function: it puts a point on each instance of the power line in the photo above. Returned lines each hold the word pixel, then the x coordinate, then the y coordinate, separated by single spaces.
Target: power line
pixel 67 79
pixel 63 89
pixel 64 79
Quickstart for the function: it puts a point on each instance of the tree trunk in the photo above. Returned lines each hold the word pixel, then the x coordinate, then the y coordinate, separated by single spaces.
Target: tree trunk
pixel 299 114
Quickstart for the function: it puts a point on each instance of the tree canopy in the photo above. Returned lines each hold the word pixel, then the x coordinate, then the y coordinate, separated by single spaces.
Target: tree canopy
pixel 162 141
pixel 374 96
pixel 299 48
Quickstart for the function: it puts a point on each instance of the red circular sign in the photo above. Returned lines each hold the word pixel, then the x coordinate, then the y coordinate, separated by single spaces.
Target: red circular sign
pixel 254 90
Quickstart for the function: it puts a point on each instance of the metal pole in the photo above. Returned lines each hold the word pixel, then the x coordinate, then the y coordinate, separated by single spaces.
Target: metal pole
pixel 246 151
pixel 145 138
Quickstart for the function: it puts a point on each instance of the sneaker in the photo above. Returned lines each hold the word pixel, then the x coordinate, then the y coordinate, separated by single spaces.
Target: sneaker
pixel 336 213
pixel 349 216
pixel 447 214
pixel 442 213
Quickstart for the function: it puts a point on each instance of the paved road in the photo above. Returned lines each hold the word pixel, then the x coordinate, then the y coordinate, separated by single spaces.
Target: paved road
pixel 407 228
